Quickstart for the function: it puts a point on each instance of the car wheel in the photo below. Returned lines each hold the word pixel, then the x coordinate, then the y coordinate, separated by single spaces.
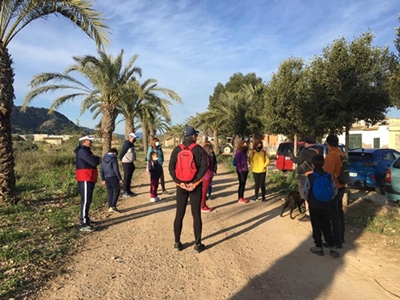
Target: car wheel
pixel 381 189
pixel 227 149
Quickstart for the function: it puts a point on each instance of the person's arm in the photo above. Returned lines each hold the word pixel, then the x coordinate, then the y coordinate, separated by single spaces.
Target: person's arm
pixel 148 153
pixel 114 164
pixel 90 158
pixel 251 158
pixel 300 158
pixel 334 187
pixel 124 149
pixel 201 161
pixel 329 164
pixel 102 172
pixel 161 156
pixel 307 187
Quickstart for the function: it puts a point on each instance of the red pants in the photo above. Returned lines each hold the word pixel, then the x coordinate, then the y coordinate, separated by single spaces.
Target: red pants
pixel 206 185
pixel 153 187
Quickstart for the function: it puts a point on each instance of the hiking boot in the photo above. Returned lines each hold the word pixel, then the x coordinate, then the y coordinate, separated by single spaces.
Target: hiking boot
pixel 317 250
pixel 242 200
pixel 178 246
pixel 199 247
pixel 86 228
pixel 326 245
pixel 206 209
pixel 334 252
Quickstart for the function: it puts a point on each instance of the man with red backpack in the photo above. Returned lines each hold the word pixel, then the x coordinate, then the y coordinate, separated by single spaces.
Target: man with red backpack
pixel 187 167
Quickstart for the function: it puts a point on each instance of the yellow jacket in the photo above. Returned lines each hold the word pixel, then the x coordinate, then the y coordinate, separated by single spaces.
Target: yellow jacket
pixel 259 161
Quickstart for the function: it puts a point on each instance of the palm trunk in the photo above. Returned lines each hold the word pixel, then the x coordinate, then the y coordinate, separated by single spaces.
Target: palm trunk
pixel 129 125
pixel 107 128
pixel 145 134
pixel 7 175
pixel 216 144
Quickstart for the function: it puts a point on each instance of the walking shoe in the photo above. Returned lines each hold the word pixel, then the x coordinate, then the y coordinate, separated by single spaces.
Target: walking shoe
pixel 86 228
pixel 254 199
pixel 116 210
pixel 305 218
pixel 165 192
pixel 153 199
pixel 263 200
pixel 126 195
pixel 199 247
pixel 334 252
pixel 178 246
pixel 206 209
pixel 110 209
pixel 91 223
pixel 242 200
pixel 158 199
pixel 317 250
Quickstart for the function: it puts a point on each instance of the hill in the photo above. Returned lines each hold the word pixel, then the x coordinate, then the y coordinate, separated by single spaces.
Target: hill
pixel 38 120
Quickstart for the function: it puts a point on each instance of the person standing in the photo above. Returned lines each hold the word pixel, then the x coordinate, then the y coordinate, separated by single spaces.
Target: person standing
pixel 189 187
pixel 111 178
pixel 215 164
pixel 332 166
pixel 86 176
pixel 242 168
pixel 259 162
pixel 207 178
pixel 154 169
pixel 304 167
pixel 128 157
pixel 156 146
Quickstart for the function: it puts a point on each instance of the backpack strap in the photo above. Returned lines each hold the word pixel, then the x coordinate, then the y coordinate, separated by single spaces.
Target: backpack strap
pixel 182 146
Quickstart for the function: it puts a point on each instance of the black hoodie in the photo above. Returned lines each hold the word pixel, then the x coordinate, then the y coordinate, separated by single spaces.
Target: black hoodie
pixel 109 167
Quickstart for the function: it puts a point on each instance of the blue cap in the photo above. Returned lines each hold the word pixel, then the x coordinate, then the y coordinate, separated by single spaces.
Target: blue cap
pixel 189 131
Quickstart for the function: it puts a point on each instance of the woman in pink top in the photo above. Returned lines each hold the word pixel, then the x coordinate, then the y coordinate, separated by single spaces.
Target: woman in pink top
pixel 207 178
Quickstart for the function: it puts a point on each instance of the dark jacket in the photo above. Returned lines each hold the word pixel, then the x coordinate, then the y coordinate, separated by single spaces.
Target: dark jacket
pixel 154 168
pixel 109 167
pixel 304 159
pixel 127 154
pixel 159 151
pixel 308 192
pixel 241 161
pixel 86 164
pixel 200 159
pixel 214 161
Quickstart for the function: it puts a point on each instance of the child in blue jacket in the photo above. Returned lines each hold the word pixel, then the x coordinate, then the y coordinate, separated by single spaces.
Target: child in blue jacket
pixel 111 177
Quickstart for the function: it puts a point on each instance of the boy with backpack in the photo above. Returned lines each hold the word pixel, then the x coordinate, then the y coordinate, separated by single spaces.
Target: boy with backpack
pixel 187 167
pixel 320 190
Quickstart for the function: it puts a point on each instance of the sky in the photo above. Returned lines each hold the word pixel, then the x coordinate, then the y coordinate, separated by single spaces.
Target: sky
pixel 190 46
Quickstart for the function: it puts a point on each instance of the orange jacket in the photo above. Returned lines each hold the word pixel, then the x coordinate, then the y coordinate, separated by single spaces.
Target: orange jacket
pixel 332 164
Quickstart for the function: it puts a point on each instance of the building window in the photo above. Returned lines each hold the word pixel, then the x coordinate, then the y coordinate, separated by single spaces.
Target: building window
pixel 377 142
pixel 355 141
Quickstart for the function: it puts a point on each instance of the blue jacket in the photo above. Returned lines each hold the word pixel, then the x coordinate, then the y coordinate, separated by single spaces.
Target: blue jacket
pixel 86 164
pixel 109 167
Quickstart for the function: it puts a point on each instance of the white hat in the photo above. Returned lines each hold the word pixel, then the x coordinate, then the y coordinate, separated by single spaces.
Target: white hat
pixel 132 135
pixel 86 137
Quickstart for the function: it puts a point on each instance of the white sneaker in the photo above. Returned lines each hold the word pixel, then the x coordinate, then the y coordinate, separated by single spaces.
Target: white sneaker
pixel 153 200
pixel 158 198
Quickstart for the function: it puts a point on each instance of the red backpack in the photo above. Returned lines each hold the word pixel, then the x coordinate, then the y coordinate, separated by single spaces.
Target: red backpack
pixel 186 168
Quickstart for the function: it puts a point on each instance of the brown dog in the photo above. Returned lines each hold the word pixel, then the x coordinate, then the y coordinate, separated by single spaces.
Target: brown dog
pixel 294 201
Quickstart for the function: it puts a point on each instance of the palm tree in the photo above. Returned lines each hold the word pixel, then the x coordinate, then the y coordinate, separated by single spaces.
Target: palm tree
pixel 16 15
pixel 144 105
pixel 107 79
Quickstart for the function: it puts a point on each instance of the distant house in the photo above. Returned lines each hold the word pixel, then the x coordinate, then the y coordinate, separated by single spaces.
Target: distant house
pixel 51 139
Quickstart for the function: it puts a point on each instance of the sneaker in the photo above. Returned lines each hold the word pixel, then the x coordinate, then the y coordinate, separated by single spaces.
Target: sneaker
pixel 242 200
pixel 178 246
pixel 317 250
pixel 206 209
pixel 153 199
pixel 263 200
pixel 305 218
pixel 126 195
pixel 86 228
pixel 254 199
pixel 116 210
pixel 334 252
pixel 199 247
pixel 110 209
pixel 158 199
pixel 165 192
pixel 91 223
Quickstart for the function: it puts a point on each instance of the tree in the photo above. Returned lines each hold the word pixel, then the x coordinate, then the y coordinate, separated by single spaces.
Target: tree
pixel 107 78
pixel 15 16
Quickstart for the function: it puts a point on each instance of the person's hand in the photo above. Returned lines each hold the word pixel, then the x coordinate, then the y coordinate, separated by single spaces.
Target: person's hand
pixel 182 186
pixel 103 182
pixel 190 187
pixel 121 181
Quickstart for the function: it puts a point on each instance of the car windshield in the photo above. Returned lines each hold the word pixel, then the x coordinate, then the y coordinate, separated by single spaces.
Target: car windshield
pixel 360 156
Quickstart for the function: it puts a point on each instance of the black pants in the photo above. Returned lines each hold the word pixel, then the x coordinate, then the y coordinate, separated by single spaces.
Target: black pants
pixel 113 191
pixel 242 176
pixel 259 181
pixel 321 225
pixel 182 197
pixel 86 189
pixel 128 169
pixel 162 179
pixel 339 199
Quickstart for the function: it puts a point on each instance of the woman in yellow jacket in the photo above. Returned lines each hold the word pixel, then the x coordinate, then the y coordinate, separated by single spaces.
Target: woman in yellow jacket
pixel 259 162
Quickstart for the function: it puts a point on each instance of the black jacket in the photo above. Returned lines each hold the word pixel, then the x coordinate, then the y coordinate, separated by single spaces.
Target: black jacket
pixel 109 167
pixel 304 159
pixel 200 159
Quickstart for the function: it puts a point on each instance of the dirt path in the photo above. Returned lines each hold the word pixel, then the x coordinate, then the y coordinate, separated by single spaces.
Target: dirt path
pixel 252 254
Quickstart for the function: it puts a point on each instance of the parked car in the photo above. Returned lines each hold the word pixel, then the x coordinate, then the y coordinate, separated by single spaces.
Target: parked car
pixel 392 183
pixel 367 167
pixel 283 161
